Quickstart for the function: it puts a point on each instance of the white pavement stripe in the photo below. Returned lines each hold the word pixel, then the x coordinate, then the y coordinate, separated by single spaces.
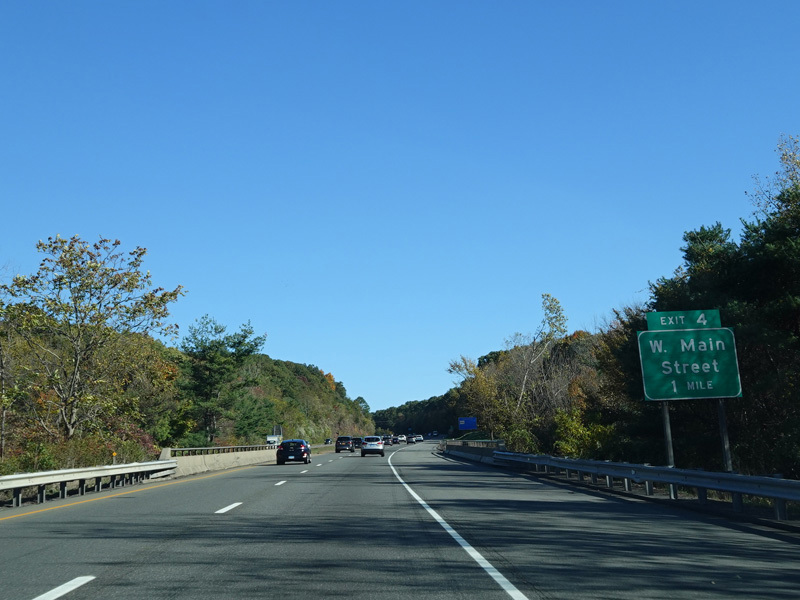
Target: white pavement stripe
pixel 504 583
pixel 227 508
pixel 66 588
pixel 306 471
pixel 281 482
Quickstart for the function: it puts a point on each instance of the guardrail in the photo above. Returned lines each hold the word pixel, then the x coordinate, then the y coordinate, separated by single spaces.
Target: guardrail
pixel 778 490
pixel 117 475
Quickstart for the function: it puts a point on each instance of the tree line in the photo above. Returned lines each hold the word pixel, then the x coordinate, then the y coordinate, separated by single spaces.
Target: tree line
pixel 580 394
pixel 85 378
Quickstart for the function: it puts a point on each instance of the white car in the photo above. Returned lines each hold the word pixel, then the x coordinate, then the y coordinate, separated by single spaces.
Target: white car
pixel 401 438
pixel 372 444
pixel 419 437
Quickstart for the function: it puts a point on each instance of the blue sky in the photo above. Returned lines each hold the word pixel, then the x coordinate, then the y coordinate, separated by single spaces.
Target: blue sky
pixel 381 187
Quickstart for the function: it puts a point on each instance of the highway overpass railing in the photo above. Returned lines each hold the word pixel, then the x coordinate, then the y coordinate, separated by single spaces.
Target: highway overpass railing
pixel 92 477
pixel 779 491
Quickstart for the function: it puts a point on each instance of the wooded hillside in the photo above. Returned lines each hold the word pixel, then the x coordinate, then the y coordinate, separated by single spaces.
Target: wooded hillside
pixel 84 381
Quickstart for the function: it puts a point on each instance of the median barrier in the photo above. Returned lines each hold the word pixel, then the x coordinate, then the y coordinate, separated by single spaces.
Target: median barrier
pixel 476 450
pixel 200 460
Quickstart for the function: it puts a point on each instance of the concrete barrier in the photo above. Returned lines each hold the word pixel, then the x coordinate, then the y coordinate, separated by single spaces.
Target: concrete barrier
pixel 479 451
pixel 200 460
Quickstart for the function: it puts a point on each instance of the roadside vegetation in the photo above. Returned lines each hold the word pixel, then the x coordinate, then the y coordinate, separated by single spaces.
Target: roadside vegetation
pixel 85 378
pixel 580 394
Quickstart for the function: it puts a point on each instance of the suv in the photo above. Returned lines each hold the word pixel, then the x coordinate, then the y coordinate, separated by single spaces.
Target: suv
pixel 344 442
pixel 373 444
pixel 297 450
pixel 357 441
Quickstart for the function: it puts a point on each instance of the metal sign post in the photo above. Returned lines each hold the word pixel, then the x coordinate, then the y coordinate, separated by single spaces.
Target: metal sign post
pixel 723 432
pixel 667 434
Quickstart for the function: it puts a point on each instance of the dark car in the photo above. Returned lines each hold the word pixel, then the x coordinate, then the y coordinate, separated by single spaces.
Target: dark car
pixel 357 441
pixel 293 450
pixel 387 440
pixel 344 442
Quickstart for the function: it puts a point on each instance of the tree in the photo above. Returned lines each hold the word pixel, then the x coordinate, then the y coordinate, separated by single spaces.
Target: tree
pixel 774 195
pixel 9 387
pixel 70 315
pixel 362 404
pixel 531 349
pixel 213 360
pixel 506 389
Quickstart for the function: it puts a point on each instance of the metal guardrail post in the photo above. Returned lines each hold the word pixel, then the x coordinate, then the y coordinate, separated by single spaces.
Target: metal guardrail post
pixel 781 514
pixel 673 491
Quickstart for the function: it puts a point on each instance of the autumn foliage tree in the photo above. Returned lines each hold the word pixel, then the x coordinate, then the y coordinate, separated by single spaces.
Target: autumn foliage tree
pixel 516 393
pixel 75 316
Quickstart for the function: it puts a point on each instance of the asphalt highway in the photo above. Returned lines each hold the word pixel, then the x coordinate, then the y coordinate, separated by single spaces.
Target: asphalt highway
pixel 413 524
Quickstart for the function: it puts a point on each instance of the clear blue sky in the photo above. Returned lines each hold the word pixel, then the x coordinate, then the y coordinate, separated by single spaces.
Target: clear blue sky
pixel 381 187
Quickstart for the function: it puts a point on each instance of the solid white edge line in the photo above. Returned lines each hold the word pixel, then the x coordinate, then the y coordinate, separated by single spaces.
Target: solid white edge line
pixel 504 583
pixel 281 482
pixel 66 588
pixel 227 508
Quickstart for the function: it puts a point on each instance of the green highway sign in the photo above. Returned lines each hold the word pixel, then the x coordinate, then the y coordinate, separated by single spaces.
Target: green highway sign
pixel 684 319
pixel 684 364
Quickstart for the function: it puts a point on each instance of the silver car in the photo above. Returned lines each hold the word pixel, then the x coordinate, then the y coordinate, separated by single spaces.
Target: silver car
pixel 373 444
